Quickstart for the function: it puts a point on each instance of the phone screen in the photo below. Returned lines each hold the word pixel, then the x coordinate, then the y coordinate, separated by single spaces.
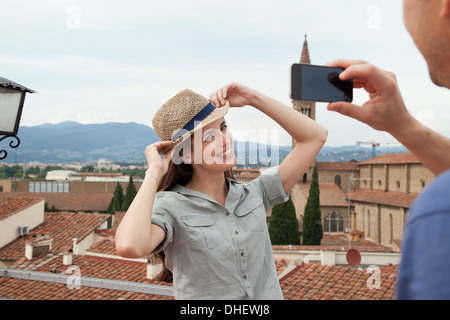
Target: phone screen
pixel 319 83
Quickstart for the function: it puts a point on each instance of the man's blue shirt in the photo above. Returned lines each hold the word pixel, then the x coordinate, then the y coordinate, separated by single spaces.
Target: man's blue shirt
pixel 424 271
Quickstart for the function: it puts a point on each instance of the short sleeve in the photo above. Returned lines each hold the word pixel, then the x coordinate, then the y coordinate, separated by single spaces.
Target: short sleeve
pixel 269 185
pixel 162 218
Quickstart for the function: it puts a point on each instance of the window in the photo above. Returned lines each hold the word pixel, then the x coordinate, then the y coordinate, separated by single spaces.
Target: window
pixel 398 184
pixel 48 186
pixel 333 222
pixel 368 223
pixel 337 180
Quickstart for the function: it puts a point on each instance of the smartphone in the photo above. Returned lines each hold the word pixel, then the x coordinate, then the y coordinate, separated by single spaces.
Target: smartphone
pixel 319 83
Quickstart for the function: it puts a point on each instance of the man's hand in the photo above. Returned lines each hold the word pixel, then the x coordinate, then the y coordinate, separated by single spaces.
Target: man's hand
pixel 385 110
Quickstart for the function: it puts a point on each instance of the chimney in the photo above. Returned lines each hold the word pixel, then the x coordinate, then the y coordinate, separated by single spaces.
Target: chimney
pixel 154 267
pixel 75 246
pixel 38 246
pixel 327 258
pixel 68 257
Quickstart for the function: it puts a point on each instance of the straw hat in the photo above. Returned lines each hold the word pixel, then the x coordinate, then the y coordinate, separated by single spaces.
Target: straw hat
pixel 184 113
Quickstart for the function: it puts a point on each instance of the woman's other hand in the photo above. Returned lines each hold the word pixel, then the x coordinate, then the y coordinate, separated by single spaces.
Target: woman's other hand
pixel 158 165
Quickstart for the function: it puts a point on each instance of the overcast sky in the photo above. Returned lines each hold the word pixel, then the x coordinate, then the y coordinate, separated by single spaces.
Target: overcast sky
pixel 119 61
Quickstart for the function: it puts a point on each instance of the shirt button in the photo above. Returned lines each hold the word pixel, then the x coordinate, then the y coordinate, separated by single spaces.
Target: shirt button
pixel 242 254
pixel 227 213
pixel 244 277
pixel 236 232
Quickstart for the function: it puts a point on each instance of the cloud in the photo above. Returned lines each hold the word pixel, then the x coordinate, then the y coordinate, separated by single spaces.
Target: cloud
pixel 430 118
pixel 101 61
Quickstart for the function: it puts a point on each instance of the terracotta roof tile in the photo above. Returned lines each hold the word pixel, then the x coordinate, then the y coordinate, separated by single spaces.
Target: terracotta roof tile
pixel 21 289
pixel 339 242
pixel 13 203
pixel 338 166
pixel 343 247
pixel 101 174
pixel 392 158
pixel 310 281
pixel 342 240
pixel 60 226
pixel 313 281
pixel 306 282
pixel 90 266
pixel 397 199
pixel 105 246
pixel 92 202
pixel 281 264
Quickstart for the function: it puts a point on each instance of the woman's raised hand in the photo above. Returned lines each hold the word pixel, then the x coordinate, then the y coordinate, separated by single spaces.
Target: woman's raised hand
pixel 236 94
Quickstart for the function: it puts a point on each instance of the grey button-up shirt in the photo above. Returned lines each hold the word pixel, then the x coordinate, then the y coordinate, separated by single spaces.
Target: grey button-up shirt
pixel 221 252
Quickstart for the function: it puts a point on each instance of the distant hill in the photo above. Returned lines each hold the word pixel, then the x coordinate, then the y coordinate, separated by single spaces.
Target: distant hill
pixel 125 142
pixel 74 142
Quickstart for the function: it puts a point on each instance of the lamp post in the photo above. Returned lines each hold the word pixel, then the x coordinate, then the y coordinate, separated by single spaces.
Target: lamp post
pixel 350 181
pixel 12 97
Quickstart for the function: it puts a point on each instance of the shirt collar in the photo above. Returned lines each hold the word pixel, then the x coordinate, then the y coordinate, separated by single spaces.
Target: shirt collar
pixel 232 200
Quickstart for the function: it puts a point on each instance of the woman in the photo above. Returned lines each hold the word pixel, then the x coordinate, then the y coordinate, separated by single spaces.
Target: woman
pixel 211 228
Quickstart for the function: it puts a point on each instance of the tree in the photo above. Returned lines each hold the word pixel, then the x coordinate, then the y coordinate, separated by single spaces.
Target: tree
pixel 129 194
pixel 283 224
pixel 312 217
pixel 88 168
pixel 116 201
pixel 47 209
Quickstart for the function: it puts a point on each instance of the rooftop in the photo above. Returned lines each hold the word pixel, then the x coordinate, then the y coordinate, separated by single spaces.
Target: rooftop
pixel 102 264
pixel 317 282
pixel 343 166
pixel 310 281
pixel 338 242
pixel 10 205
pixel 63 227
pixel 396 199
pixel 90 267
pixel 66 201
pixel 393 158
pixel 13 85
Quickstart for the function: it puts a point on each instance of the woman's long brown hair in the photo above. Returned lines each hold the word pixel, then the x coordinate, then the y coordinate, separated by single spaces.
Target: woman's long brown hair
pixel 176 174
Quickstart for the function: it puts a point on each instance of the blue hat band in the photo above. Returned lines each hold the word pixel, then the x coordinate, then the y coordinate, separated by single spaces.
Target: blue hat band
pixel 206 111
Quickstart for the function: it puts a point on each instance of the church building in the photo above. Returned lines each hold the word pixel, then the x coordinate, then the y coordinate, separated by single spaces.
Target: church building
pixel 362 200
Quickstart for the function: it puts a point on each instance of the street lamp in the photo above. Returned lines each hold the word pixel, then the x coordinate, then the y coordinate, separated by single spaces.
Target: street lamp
pixel 350 181
pixel 12 97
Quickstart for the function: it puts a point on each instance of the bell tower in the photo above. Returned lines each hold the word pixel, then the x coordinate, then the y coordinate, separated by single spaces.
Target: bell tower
pixel 308 108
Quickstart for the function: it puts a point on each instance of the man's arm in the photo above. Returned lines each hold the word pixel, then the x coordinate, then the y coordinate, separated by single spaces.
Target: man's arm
pixel 386 111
